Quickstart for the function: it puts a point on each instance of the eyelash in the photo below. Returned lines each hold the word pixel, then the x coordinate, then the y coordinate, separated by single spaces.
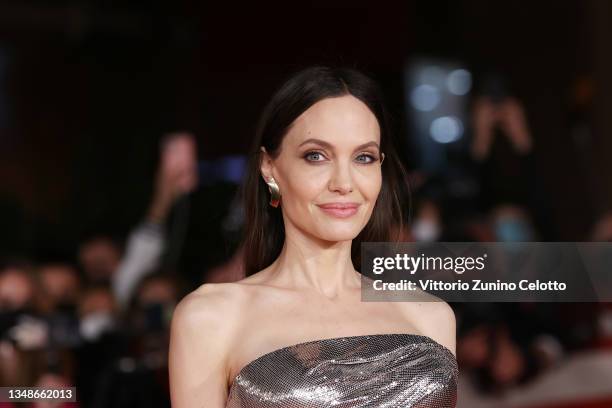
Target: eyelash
pixel 372 157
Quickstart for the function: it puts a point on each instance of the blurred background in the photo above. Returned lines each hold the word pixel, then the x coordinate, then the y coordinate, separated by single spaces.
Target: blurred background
pixel 124 129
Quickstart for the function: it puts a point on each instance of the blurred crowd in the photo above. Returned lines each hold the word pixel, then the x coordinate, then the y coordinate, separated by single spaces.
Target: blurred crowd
pixel 100 321
pixel 504 346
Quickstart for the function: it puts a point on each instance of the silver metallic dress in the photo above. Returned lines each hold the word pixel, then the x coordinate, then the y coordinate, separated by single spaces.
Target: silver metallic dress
pixel 379 370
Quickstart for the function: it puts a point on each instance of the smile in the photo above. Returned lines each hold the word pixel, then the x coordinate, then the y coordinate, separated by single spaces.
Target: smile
pixel 339 210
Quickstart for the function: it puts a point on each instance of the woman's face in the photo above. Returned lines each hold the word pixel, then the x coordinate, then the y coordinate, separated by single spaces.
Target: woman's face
pixel 328 170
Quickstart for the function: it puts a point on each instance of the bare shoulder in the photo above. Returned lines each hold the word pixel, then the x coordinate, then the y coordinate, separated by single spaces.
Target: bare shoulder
pixel 434 318
pixel 439 323
pixel 204 324
pixel 212 304
pixel 219 306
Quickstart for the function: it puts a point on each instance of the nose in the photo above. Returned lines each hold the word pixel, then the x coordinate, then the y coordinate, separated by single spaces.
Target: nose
pixel 341 179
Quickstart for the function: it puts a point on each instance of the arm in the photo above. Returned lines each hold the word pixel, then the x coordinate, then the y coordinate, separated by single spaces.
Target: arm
pixel 176 176
pixel 142 255
pixel 199 345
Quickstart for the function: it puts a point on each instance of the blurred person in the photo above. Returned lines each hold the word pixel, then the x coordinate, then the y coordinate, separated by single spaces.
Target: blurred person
pixel 157 288
pixel 17 287
pixel 97 299
pixel 104 339
pixel 47 380
pixel 508 363
pixel 59 293
pixel 492 357
pixel 137 375
pixel 555 337
pixel 129 383
pixel 427 226
pixel 473 348
pixel 102 259
pixel 53 380
pixel 544 339
pixel 442 205
pixel 60 286
pixel 512 223
pixel 97 312
pixel 503 345
pixel 154 304
pixel 177 173
pixel 495 109
pixel 323 177
pixel 176 177
pixel 112 343
pixel 491 351
pixel 504 154
pixel 486 350
pixel 21 325
pixel 99 257
pixel 23 368
pixel 22 331
pixel 155 301
pixel 19 368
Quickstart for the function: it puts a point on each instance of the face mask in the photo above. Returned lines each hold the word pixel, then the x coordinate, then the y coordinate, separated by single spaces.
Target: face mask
pixel 425 230
pixel 94 325
pixel 512 230
pixel 30 333
pixel 157 316
pixel 10 318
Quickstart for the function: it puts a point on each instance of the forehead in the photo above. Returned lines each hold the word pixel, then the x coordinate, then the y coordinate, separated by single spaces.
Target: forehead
pixel 341 121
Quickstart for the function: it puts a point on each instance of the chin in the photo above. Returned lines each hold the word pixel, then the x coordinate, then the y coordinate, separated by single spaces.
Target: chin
pixel 337 233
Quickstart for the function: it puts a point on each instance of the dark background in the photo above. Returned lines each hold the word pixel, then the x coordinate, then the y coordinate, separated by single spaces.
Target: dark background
pixel 93 85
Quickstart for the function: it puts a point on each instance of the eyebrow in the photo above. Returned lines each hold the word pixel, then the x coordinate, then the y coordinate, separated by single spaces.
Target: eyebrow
pixel 328 145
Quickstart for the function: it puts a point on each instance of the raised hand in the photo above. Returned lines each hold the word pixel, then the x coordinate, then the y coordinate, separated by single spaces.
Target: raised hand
pixel 177 173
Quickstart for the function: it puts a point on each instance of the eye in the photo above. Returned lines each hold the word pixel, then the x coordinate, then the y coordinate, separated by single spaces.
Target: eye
pixel 366 158
pixel 314 156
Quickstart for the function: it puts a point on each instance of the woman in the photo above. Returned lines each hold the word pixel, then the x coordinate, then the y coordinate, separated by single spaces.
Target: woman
pixel 294 333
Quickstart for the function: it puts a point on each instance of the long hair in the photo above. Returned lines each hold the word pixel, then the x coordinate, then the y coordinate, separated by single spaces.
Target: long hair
pixel 264 228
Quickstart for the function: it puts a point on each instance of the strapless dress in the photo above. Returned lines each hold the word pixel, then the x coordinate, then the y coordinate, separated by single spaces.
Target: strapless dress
pixel 379 370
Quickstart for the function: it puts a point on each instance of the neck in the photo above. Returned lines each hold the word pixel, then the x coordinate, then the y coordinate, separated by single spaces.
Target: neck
pixel 324 267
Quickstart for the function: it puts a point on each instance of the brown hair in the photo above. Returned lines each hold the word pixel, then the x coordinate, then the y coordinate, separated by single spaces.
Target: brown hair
pixel 264 229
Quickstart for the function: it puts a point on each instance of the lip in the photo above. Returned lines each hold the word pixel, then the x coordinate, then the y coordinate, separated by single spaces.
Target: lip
pixel 339 210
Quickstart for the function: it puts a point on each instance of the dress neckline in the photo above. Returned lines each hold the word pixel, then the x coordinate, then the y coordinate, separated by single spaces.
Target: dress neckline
pixel 305 343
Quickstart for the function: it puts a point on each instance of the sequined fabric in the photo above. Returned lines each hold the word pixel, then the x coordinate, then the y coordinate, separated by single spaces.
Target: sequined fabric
pixel 381 370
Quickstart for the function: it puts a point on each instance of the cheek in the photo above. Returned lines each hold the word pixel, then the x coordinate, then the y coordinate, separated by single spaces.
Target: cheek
pixel 370 183
pixel 301 186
